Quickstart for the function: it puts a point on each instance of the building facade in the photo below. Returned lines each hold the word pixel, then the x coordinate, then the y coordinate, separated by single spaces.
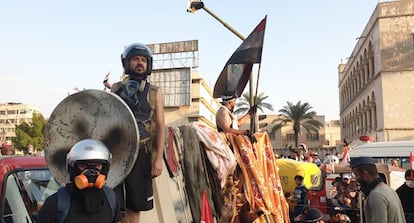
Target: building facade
pixel 12 114
pixel 187 97
pixel 332 134
pixel 376 85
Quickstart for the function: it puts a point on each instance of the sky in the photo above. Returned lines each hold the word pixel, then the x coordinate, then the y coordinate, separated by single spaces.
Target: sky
pixel 49 47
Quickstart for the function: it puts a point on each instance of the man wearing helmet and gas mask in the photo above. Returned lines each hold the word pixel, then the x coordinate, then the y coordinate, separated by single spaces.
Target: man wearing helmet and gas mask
pixel 85 198
pixel 146 103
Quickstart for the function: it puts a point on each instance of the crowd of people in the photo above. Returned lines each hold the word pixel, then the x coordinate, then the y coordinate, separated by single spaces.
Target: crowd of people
pixel 380 203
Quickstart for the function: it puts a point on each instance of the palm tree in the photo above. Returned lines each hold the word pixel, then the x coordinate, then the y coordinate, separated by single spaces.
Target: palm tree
pixel 298 116
pixel 243 104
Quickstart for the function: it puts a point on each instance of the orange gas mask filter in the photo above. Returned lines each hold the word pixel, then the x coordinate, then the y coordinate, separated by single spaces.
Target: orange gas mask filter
pixel 89 178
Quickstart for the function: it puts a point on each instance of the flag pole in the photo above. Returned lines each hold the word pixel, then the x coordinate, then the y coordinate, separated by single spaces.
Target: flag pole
pixel 224 23
pixel 253 120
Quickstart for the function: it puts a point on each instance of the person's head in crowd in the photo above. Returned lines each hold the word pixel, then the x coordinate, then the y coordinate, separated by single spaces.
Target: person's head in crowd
pixel 409 178
pixel 298 180
pixel 312 215
pixel 365 171
pixel 337 214
pixel 346 178
pixel 395 162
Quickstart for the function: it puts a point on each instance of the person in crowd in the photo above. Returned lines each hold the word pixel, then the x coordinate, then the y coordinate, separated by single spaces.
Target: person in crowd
pixel 300 197
pixel 382 203
pixel 336 184
pixel 395 162
pixel 146 103
pixel 316 159
pixel 85 198
pixel 347 195
pixel 311 215
pixel 406 194
pixel 337 213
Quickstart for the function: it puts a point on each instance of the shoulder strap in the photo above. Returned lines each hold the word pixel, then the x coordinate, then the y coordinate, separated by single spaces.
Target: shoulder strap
pixel 152 96
pixel 115 87
pixel 110 195
pixel 63 204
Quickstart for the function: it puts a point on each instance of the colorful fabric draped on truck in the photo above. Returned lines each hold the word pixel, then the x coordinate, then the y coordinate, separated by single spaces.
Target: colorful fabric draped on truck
pixel 217 150
pixel 242 180
pixel 263 188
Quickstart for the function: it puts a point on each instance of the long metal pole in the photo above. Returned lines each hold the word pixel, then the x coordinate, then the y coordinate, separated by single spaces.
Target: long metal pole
pixel 224 23
pixel 253 123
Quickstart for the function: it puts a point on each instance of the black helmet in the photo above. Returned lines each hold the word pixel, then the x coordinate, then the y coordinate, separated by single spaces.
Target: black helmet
pixel 136 49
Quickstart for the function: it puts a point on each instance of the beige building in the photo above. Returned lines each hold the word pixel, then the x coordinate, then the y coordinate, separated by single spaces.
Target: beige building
pixel 12 114
pixel 332 134
pixel 328 136
pixel 376 85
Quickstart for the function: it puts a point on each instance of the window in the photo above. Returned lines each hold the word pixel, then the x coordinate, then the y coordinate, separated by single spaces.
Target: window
pixel 312 136
pixel 290 137
pixel 26 191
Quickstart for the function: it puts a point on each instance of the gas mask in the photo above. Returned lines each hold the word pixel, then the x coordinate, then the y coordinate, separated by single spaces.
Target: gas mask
pixel 133 86
pixel 90 177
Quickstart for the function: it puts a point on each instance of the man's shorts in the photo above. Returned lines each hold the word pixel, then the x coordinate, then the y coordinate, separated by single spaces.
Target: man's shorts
pixel 137 186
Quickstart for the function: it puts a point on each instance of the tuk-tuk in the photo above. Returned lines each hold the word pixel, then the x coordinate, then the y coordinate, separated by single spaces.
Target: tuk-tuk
pixel 289 168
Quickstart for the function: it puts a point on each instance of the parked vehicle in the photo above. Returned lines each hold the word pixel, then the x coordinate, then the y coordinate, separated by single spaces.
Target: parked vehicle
pixel 312 178
pixel 25 184
pixel 385 152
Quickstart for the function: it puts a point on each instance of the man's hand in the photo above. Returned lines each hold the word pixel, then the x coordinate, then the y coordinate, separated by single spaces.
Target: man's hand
pixel 156 168
pixel 252 110
pixel 251 136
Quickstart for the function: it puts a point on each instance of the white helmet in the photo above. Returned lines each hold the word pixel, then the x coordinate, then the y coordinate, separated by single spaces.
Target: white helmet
pixel 88 150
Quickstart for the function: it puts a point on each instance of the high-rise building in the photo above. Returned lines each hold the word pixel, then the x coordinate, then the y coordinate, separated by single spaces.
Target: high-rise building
pixel 12 114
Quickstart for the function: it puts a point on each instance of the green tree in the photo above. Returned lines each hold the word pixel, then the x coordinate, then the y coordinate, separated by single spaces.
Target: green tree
pixel 243 104
pixel 30 133
pixel 298 116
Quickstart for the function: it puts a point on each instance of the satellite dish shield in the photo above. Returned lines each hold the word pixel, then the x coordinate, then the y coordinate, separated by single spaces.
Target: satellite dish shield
pixel 97 115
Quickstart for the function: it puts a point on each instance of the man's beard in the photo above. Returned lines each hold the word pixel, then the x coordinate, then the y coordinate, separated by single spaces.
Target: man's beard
pixel 367 187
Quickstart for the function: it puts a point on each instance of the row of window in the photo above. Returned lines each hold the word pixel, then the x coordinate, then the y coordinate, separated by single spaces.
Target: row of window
pixel 12 121
pixel 14 112
pixel 361 73
pixel 311 137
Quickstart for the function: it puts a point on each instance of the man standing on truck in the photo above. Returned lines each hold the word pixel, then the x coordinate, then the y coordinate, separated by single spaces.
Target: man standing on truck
pixel 226 120
pixel 382 204
pixel 146 103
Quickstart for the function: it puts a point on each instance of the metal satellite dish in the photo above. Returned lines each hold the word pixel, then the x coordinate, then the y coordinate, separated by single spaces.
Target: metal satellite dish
pixel 92 114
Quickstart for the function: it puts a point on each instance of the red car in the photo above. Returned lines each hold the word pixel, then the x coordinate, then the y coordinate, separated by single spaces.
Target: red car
pixel 25 184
